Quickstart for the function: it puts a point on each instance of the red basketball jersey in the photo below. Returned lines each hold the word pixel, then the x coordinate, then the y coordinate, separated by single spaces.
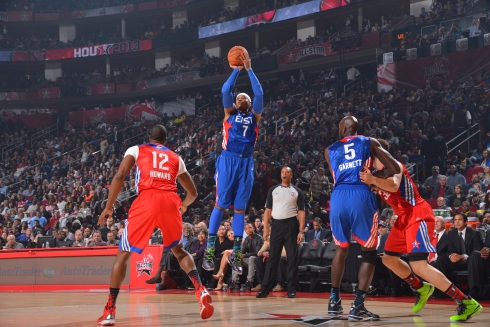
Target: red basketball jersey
pixel 157 167
pixel 407 195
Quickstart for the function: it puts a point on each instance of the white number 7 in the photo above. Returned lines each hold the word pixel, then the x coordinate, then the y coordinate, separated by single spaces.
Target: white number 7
pixel 245 127
pixel 349 153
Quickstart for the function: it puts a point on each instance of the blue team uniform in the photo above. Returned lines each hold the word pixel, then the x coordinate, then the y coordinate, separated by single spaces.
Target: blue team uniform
pixel 353 206
pixel 235 166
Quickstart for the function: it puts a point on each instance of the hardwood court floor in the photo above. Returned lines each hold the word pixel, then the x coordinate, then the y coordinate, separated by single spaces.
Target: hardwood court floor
pixel 180 308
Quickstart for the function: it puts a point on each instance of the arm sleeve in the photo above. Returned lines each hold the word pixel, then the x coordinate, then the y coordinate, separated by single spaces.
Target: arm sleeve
pixel 301 199
pixel 182 167
pixel 268 202
pixel 133 151
pixel 227 89
pixel 258 103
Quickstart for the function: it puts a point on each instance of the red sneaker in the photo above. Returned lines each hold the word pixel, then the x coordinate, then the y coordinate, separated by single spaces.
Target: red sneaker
pixel 205 301
pixel 108 318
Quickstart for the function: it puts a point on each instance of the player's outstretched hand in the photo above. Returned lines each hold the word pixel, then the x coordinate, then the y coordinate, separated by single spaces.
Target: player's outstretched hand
pixel 103 216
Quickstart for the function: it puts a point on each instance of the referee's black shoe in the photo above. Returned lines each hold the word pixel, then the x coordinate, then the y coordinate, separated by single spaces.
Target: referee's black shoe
pixel 262 294
pixel 291 294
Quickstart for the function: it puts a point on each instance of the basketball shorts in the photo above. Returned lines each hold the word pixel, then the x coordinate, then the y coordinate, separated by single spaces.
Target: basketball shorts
pixel 353 210
pixel 234 180
pixel 412 231
pixel 149 210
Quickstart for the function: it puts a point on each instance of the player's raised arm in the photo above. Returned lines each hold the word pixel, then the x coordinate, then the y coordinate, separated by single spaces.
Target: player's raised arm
pixel 391 167
pixel 227 92
pixel 116 186
pixel 258 102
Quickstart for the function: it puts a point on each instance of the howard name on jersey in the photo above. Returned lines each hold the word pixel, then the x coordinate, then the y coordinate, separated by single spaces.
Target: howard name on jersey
pixel 157 167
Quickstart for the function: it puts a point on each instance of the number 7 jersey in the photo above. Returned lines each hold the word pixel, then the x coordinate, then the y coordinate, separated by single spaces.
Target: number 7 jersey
pixel 240 133
pixel 157 167
pixel 348 157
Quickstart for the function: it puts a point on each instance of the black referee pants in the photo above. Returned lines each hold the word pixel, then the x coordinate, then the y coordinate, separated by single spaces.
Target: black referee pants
pixel 284 233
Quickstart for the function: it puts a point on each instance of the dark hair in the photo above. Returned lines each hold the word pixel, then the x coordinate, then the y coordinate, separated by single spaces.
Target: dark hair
pixel 159 133
pixel 465 218
pixel 384 144
pixel 204 231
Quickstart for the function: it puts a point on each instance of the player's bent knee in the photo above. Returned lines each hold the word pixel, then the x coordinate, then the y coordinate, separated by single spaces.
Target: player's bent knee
pixel 418 257
pixel 369 257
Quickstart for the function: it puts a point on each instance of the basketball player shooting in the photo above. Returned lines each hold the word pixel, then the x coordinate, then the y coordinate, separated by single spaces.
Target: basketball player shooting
pixel 234 167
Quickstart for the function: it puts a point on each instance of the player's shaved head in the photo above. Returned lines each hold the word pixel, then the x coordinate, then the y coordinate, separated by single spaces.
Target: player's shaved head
pixel 158 134
pixel 348 126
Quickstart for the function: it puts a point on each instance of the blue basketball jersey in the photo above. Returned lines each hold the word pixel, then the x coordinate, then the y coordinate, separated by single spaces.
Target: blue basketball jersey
pixel 240 132
pixel 348 157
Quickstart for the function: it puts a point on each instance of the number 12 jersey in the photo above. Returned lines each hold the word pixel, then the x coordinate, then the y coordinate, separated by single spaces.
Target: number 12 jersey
pixel 157 167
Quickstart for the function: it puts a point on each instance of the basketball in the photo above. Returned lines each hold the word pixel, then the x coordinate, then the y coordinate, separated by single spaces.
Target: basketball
pixel 234 54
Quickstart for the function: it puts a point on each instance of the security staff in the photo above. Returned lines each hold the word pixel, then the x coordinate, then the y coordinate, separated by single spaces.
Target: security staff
pixel 285 204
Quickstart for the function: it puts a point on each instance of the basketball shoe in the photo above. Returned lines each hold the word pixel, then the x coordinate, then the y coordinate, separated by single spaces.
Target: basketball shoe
pixel 205 301
pixel 108 318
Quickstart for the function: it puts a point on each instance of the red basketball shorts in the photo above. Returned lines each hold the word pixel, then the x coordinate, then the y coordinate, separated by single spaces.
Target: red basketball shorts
pixel 412 231
pixel 152 209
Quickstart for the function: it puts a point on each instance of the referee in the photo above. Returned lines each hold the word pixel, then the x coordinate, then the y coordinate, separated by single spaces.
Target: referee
pixel 285 203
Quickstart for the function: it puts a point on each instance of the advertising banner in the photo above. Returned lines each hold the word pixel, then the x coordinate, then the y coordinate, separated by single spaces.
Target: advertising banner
pixel 31 121
pixel 102 88
pixel 162 81
pixel 414 73
pixel 16 16
pixel 99 50
pixel 34 55
pixel 85 117
pixel 97 12
pixel 12 96
pixel 368 40
pixel 146 110
pixel 268 17
pixel 143 266
pixel 44 93
pixel 89 270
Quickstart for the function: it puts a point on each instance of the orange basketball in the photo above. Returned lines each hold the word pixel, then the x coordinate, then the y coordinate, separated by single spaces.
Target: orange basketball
pixel 234 54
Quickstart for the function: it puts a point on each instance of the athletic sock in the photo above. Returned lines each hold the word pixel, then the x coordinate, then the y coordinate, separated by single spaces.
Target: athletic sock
pixel 211 241
pixel 113 293
pixel 195 279
pixel 238 227
pixel 237 243
pixel 414 281
pixel 335 293
pixel 456 294
pixel 359 299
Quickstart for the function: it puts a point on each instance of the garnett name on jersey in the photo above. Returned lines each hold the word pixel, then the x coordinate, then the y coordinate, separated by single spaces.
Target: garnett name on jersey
pixel 160 174
pixel 350 164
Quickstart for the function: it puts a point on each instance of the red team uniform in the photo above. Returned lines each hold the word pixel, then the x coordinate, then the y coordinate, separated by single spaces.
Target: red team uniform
pixel 157 204
pixel 411 231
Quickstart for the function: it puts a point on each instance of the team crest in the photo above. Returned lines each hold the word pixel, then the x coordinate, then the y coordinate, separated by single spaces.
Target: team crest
pixel 145 266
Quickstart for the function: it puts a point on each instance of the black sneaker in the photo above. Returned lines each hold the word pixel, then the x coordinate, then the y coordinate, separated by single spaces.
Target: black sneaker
pixel 247 287
pixel 360 313
pixel 335 307
pixel 234 286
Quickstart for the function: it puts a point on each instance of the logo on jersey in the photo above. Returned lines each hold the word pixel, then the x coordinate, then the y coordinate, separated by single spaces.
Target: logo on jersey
pixel 145 266
pixel 385 195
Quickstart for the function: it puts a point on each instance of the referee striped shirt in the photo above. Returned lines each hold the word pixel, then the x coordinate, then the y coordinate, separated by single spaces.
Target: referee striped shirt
pixel 285 201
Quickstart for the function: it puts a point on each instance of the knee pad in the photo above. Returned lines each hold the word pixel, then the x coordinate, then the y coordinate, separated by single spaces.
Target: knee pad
pixel 369 256
pixel 418 256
